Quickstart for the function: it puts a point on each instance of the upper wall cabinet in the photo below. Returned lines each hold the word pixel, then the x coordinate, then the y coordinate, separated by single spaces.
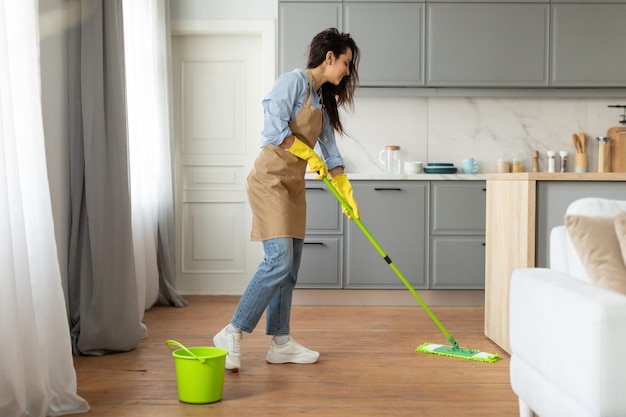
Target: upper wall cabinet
pixel 390 37
pixel 588 45
pixel 297 24
pixel 488 1
pixel 487 45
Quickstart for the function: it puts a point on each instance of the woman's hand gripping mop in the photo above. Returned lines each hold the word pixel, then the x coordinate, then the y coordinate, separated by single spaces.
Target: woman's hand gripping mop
pixel 342 190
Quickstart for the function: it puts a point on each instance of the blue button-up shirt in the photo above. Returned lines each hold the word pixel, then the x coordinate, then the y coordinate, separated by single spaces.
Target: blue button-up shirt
pixel 282 104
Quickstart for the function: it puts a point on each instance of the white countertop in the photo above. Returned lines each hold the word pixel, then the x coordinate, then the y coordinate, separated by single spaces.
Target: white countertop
pixel 413 177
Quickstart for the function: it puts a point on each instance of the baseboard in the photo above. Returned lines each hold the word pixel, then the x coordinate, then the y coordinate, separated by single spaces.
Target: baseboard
pixel 452 298
pixel 442 298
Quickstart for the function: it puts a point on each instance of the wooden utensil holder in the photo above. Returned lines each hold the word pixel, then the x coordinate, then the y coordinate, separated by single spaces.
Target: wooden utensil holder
pixel 580 163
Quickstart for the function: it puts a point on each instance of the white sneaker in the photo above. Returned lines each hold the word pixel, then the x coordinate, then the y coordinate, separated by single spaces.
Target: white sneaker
pixel 232 343
pixel 291 352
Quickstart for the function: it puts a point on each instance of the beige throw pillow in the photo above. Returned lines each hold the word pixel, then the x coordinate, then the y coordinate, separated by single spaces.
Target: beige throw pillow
pixel 620 229
pixel 596 243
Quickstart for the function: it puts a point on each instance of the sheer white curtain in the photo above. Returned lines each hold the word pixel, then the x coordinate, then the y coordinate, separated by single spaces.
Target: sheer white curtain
pixel 146 65
pixel 37 376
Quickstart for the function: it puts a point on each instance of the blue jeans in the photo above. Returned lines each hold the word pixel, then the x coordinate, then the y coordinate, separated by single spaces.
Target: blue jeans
pixel 271 288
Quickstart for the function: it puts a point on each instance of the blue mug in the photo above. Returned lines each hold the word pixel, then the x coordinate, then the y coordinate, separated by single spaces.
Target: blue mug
pixel 469 166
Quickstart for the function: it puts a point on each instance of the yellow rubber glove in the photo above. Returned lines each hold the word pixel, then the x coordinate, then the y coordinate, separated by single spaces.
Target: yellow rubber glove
pixel 342 185
pixel 304 151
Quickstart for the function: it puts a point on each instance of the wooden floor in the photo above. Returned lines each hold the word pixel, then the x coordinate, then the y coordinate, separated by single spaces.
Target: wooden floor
pixel 368 366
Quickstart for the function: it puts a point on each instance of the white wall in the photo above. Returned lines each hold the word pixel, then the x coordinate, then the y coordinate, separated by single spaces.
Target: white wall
pixel 439 129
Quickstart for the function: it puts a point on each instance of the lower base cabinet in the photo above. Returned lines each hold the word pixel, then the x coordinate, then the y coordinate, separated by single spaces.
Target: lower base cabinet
pixel 321 263
pixel 457 262
pixel 433 232
pixel 394 212
pixel 457 234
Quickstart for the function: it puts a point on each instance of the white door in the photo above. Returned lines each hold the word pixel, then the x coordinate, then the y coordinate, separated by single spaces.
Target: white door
pixel 218 84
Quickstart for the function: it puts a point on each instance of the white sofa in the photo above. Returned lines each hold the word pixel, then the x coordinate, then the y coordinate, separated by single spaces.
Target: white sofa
pixel 568 336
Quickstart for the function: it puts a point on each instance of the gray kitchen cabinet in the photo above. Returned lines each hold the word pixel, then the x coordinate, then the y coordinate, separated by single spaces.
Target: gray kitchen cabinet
pixel 433 231
pixel 399 27
pixel 457 262
pixel 553 198
pixel 487 45
pixel 383 1
pixel 392 54
pixel 298 22
pixel 588 45
pixel 457 234
pixel 322 255
pixel 488 1
pixel 395 213
pixel 458 207
pixel 588 1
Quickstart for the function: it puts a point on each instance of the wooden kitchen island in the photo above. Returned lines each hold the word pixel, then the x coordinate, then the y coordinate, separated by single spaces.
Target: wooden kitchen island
pixel 522 209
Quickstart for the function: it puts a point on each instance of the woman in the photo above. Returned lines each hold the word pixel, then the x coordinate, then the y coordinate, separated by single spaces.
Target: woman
pixel 295 120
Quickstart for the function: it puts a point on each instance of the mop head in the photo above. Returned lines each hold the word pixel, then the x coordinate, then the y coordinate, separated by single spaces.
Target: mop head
pixel 458 352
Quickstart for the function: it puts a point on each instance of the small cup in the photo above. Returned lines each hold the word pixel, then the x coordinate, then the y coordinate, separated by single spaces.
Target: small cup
pixel 469 166
pixel 413 167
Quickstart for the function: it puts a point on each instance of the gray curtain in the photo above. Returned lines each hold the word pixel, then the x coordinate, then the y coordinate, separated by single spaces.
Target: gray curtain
pixel 102 288
pixel 166 259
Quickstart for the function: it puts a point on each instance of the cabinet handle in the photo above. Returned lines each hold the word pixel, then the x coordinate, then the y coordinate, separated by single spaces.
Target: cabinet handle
pixel 314 243
pixel 484 189
pixel 387 189
pixel 314 188
pixel 484 244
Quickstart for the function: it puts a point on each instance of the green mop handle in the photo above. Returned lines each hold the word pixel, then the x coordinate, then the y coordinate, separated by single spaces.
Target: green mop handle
pixel 389 261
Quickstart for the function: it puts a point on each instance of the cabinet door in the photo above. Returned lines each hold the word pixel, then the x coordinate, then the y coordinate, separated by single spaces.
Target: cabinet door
pixel 458 207
pixel 588 45
pixel 391 38
pixel 487 45
pixel 323 214
pixel 321 265
pixel 553 198
pixel 322 256
pixel 394 212
pixel 297 24
pixel 457 262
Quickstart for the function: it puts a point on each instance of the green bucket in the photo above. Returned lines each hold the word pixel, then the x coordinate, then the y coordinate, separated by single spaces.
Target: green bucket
pixel 199 372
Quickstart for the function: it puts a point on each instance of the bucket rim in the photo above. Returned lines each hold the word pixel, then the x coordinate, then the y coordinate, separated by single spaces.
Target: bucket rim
pixel 215 352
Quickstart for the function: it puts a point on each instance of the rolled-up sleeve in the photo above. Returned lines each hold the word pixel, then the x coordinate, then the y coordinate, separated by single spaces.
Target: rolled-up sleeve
pixel 280 106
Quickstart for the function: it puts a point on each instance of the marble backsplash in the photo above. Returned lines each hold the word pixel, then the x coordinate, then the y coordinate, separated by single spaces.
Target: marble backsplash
pixel 443 129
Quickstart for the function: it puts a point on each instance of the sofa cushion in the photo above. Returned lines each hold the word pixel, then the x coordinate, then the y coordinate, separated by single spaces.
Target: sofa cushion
pixel 597 245
pixel 620 229
pixel 589 206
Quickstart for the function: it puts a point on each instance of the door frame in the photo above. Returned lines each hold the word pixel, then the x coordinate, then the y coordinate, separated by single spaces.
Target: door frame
pixel 265 30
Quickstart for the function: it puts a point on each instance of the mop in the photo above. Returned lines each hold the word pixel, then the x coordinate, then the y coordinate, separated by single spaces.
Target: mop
pixel 452 351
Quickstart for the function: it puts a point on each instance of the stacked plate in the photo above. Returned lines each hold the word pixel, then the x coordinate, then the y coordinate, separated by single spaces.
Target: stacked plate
pixel 440 168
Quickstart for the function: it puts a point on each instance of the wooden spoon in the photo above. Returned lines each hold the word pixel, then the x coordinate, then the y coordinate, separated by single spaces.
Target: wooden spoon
pixel 576 142
pixel 583 141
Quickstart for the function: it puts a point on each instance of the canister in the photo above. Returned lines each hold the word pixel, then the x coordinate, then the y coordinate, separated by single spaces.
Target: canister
pixel 604 154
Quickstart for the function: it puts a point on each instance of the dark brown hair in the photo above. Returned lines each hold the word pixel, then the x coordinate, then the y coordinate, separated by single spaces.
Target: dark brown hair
pixel 334 96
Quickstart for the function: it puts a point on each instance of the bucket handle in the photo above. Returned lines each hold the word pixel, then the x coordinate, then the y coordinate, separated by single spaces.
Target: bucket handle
pixel 179 345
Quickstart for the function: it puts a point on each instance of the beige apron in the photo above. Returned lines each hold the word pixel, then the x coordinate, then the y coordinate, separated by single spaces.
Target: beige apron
pixel 276 186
